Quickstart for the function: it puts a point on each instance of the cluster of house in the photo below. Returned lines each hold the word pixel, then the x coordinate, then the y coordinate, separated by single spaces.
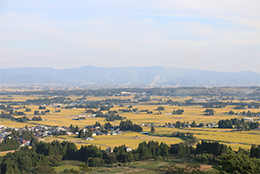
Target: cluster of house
pixel 6 131
pixel 210 125
pixel 41 131
pixel 96 132
pixel 239 113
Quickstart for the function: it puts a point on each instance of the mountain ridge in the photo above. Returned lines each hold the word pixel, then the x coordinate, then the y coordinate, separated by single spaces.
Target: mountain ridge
pixel 131 75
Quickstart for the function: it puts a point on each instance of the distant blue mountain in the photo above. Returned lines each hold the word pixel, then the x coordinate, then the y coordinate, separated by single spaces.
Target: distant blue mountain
pixel 137 76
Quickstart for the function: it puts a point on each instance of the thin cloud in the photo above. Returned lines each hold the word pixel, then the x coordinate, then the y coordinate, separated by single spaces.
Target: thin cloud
pixel 143 33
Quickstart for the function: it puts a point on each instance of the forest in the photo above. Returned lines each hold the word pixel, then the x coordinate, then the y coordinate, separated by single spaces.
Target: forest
pixel 43 156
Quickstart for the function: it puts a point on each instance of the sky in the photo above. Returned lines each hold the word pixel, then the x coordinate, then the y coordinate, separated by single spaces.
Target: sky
pixel 222 35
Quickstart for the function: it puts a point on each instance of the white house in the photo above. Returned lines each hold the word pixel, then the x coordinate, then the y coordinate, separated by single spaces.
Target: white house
pixel 128 149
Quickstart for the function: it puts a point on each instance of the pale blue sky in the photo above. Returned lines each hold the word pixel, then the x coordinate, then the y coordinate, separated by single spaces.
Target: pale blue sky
pixel 222 35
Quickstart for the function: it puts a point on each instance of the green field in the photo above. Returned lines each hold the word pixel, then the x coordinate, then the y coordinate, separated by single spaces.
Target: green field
pixel 141 167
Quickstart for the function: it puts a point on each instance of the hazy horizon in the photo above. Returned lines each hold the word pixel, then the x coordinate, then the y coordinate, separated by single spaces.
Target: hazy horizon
pixel 215 36
pixel 129 67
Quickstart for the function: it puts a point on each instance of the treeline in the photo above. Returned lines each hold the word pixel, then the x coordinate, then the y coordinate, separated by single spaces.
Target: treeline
pixel 51 154
pixel 188 137
pixel 183 150
pixel 239 124
pixel 10 114
pixel 47 101
pixel 39 118
pixel 110 116
pixel 180 91
pixel 180 124
pixel 248 113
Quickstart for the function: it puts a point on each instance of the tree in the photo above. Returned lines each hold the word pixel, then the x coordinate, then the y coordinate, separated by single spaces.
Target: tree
pixel 84 168
pixel 231 162
pixel 108 125
pixel 178 124
pixel 9 144
pixel 178 111
pixel 193 124
pixel 28 109
pixel 97 124
pixel 89 133
pixel 128 125
pixel 10 170
pixel 81 134
pixel 201 125
pixel 189 169
pixel 160 108
pixel 96 162
pixel 25 163
pixel 255 151
pixel 42 107
pixel 71 171
pixel 33 141
pixel 209 112
pixel 152 129
pixel 231 112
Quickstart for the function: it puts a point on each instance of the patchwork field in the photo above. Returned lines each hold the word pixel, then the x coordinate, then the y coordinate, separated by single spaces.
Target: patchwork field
pixel 242 139
pixel 191 113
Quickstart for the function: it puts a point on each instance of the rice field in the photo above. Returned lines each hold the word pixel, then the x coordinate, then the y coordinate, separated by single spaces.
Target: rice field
pixel 130 139
pixel 235 139
pixel 191 113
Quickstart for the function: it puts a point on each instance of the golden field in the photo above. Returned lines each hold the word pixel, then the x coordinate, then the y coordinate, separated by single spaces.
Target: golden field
pixel 191 113
pixel 130 139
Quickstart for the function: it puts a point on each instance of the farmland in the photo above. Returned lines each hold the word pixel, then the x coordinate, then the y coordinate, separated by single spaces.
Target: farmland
pixel 111 119
pixel 191 113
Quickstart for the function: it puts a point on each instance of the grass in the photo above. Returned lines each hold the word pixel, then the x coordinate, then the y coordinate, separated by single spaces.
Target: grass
pixel 68 164
pixel 141 167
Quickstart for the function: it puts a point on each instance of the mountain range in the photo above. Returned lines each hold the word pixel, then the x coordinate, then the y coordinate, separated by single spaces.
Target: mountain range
pixel 136 76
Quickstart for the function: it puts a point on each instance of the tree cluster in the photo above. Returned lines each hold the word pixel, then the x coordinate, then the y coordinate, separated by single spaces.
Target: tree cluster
pixel 128 125
pixel 178 111
pixel 39 118
pixel 239 124
pixel 209 112
pixel 9 143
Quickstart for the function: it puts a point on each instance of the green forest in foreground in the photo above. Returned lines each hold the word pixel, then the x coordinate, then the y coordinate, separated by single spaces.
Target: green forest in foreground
pixel 46 157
